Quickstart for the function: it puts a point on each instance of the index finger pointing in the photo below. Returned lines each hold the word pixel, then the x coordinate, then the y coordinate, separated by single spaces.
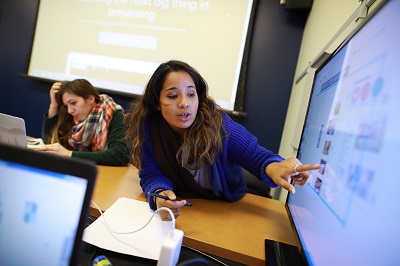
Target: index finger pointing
pixel 307 167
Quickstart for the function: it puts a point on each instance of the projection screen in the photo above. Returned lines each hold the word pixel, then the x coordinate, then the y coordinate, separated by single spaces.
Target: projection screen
pixel 117 44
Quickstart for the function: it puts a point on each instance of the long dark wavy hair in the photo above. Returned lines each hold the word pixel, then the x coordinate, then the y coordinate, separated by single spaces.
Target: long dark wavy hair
pixel 202 140
pixel 65 121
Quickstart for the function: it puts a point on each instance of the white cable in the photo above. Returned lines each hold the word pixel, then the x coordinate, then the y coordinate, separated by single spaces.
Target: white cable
pixel 112 231
pixel 205 255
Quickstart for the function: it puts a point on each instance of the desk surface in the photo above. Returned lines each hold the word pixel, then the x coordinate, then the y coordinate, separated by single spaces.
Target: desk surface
pixel 113 183
pixel 232 230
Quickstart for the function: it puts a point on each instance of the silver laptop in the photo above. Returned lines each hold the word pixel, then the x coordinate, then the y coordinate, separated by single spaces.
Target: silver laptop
pixel 12 130
pixel 44 203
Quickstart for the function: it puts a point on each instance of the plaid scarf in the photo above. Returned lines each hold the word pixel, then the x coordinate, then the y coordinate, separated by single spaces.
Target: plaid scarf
pixel 92 134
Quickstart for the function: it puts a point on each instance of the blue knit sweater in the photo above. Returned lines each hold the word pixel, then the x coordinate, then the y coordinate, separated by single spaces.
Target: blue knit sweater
pixel 240 149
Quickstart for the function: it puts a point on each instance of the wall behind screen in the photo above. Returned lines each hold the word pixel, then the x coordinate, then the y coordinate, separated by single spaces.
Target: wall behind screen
pixel 273 53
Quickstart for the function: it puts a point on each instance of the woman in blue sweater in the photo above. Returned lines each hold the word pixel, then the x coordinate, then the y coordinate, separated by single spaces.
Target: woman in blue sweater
pixel 184 145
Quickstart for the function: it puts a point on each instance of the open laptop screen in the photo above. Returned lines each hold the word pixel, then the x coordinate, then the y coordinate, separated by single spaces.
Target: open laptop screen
pixel 43 207
pixel 348 213
pixel 12 130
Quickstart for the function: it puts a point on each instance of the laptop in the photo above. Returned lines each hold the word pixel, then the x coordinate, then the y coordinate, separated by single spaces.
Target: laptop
pixel 44 204
pixel 12 130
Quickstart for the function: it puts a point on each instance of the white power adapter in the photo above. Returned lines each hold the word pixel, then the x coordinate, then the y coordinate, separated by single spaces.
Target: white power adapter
pixel 171 248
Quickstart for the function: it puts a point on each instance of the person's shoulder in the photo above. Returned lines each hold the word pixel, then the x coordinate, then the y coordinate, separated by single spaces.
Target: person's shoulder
pixel 223 113
pixel 118 117
pixel 230 125
pixel 226 117
pixel 119 114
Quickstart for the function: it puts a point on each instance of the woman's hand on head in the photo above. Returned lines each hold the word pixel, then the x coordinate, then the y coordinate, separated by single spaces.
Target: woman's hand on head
pixel 291 168
pixel 173 204
pixel 56 148
pixel 53 109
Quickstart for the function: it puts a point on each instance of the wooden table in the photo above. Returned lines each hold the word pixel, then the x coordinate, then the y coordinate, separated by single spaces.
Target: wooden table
pixel 113 183
pixel 232 230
